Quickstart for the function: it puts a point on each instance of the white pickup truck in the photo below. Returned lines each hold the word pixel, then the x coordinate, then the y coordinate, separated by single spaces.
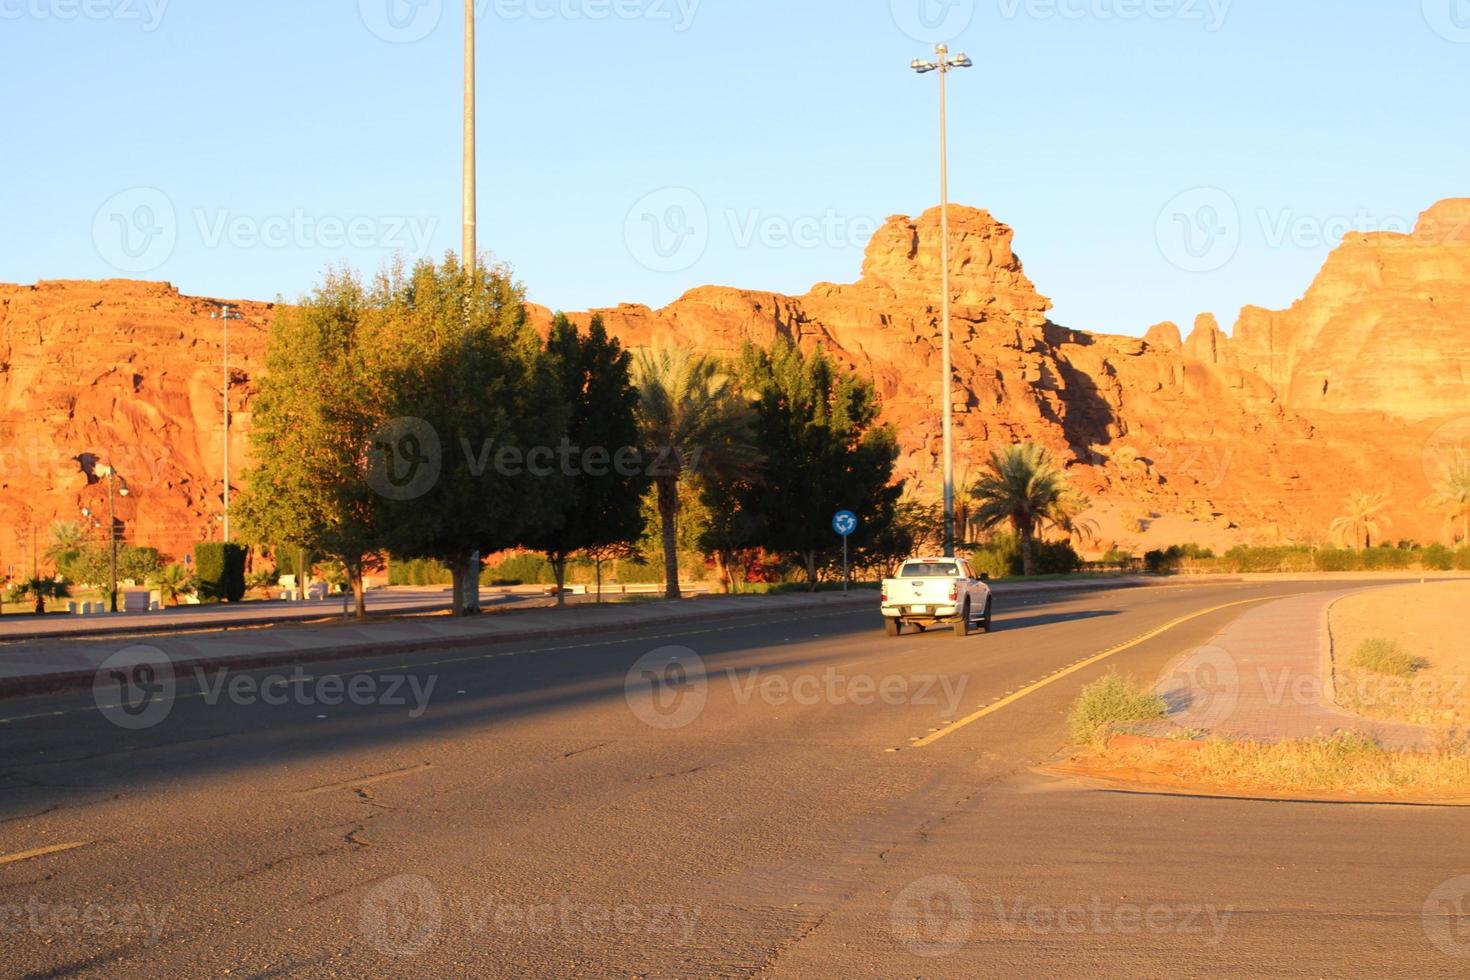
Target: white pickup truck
pixel 936 591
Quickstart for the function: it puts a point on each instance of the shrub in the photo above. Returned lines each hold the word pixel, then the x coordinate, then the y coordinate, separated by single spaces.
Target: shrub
pixel 1338 560
pixel 419 571
pixel 524 569
pixel 1057 558
pixel 1378 559
pixel 1437 558
pixel 1000 558
pixel 1111 700
pixel 1462 560
pixel 1386 657
pixel 219 570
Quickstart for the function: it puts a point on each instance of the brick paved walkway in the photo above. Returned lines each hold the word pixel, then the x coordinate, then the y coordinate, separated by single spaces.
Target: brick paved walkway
pixel 1263 677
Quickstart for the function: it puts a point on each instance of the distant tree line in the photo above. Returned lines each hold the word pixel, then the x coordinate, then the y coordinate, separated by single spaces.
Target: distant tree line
pixel 421 416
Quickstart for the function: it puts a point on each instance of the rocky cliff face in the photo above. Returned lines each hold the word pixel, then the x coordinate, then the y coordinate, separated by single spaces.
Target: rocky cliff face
pixel 1216 438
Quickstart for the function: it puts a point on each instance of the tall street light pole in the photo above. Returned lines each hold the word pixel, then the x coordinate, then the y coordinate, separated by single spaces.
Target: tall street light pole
pixel 468 258
pixel 110 475
pixel 944 64
pixel 225 314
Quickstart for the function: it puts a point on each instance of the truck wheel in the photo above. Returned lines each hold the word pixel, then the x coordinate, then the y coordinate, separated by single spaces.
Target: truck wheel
pixel 985 622
pixel 893 626
pixel 962 625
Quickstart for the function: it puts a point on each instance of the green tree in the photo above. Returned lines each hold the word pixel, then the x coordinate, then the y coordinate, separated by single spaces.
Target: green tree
pixel 67 542
pixel 1023 487
pixel 467 380
pixel 1362 522
pixel 172 582
pixel 320 407
pixel 39 590
pixel 1452 497
pixel 607 476
pixel 818 424
pixel 695 426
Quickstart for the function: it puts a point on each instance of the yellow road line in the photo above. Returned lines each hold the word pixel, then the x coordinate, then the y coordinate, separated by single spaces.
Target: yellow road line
pixel 1012 698
pixel 42 852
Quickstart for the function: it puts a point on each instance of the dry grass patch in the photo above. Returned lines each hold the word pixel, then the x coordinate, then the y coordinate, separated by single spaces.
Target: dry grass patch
pixel 1345 764
pixel 1111 701
pixel 1403 653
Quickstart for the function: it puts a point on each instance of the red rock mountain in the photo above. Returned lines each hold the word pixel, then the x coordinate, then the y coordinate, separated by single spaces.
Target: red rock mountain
pixel 1254 436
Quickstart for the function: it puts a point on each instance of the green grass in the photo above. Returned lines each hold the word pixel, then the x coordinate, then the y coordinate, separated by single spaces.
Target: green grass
pixel 1386 657
pixel 1112 700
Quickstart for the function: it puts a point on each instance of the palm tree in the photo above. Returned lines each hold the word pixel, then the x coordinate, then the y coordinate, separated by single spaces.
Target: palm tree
pixel 172 583
pixel 1023 486
pixel 1452 496
pixel 40 589
pixel 1362 522
pixel 67 541
pixel 693 423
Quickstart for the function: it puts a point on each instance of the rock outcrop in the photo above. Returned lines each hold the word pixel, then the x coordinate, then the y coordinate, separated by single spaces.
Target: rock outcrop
pixel 1217 438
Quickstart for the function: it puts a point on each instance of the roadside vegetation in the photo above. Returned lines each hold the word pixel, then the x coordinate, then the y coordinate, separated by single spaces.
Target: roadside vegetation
pixel 1386 657
pixel 1303 559
pixel 1109 702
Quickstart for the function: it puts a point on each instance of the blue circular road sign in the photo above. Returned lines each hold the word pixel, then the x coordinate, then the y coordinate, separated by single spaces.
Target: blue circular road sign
pixel 845 523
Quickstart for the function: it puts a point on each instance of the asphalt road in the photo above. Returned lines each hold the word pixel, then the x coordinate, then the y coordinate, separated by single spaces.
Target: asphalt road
pixel 725 801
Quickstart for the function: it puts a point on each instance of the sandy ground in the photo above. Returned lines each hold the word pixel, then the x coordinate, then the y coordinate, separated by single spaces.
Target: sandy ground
pixel 1427 621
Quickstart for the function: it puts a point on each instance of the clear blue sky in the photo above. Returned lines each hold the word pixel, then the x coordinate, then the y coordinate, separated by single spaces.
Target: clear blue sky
pixel 236 149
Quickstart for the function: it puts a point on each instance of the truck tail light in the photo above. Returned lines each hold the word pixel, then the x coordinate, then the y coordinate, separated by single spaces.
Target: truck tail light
pixel 954 593
pixel 884 594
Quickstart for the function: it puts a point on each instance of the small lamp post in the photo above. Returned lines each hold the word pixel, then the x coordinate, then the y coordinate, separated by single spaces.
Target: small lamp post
pixel 116 487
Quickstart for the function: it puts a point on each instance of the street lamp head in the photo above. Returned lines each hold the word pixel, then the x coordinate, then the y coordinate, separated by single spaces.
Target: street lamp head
pixel 86 512
pixel 923 67
pixel 123 490
pixel 102 470
pixel 961 61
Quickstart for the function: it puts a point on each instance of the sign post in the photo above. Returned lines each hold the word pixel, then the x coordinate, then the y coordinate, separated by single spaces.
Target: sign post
pixel 844 523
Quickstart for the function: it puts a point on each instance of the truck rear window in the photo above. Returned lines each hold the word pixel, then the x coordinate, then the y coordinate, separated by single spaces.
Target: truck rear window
pixel 927 570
